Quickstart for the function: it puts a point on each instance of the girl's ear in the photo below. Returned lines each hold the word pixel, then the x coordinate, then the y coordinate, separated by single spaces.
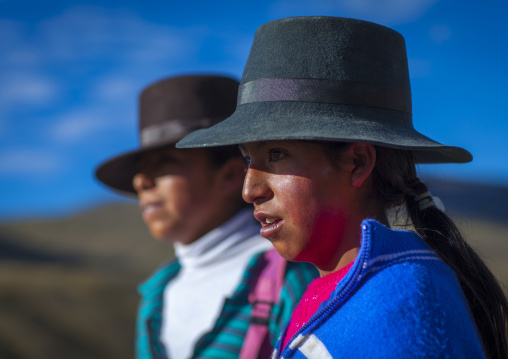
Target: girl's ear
pixel 364 157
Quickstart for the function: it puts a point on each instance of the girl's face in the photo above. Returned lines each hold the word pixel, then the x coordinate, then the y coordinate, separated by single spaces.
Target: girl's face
pixel 178 194
pixel 303 201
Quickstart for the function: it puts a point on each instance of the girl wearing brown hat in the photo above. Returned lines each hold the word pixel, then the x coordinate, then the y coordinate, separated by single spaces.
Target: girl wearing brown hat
pixel 227 292
pixel 324 121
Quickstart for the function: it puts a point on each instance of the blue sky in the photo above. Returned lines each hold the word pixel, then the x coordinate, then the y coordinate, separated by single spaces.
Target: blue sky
pixel 71 72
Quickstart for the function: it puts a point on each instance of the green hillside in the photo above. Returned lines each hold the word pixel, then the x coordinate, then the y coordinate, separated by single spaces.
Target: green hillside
pixel 68 287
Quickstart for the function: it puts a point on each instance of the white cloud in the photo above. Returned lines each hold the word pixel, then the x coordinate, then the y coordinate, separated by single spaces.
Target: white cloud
pixel 82 33
pixel 21 56
pixel 386 12
pixel 21 83
pixel 78 125
pixel 29 162
pixel 440 33
pixel 17 50
pixel 11 31
pixel 81 125
pixel 27 89
pixel 116 88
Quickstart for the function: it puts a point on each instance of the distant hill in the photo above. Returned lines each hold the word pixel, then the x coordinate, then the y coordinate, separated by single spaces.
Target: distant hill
pixel 472 200
pixel 111 236
pixel 10 250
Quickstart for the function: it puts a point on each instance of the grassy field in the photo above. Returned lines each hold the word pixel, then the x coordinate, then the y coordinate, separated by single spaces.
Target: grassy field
pixel 68 287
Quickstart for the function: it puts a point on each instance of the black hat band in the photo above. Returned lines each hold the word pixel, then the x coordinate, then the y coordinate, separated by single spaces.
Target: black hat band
pixel 344 92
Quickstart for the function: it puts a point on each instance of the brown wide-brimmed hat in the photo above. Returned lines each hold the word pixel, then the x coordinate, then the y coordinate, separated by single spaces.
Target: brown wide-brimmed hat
pixel 169 110
pixel 327 79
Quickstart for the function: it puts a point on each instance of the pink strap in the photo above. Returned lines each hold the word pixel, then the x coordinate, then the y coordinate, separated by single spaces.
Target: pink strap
pixel 263 296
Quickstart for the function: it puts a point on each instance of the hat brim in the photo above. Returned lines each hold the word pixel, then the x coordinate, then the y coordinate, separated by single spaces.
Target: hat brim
pixel 266 121
pixel 118 172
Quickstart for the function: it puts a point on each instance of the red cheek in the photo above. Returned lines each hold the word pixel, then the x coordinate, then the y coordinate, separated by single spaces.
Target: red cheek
pixel 325 239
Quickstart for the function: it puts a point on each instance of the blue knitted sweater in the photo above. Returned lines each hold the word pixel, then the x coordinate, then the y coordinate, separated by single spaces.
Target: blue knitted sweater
pixel 399 300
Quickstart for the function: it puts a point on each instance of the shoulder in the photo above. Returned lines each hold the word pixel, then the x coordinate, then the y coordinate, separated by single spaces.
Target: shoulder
pixel 159 278
pixel 406 276
pixel 400 261
pixel 401 267
pixel 421 285
pixel 411 307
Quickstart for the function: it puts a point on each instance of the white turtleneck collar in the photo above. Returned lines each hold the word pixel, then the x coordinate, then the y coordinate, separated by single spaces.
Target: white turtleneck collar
pixel 221 243
pixel 211 269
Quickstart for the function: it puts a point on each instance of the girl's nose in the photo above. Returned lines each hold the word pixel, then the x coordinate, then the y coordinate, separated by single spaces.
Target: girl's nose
pixel 255 187
pixel 142 182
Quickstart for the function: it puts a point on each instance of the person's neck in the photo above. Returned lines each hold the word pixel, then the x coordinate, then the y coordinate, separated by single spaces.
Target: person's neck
pixel 352 237
pixel 220 216
pixel 222 241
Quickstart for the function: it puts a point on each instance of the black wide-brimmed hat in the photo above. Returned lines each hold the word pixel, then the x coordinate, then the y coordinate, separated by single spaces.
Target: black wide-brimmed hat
pixel 329 79
pixel 169 110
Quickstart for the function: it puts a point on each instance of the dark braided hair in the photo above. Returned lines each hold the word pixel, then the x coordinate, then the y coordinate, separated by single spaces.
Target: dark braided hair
pixel 395 183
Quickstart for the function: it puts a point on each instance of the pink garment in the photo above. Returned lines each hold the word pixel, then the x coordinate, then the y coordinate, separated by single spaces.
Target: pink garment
pixel 317 292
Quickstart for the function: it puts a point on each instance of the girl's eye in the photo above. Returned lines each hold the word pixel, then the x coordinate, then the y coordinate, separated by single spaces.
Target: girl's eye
pixel 276 155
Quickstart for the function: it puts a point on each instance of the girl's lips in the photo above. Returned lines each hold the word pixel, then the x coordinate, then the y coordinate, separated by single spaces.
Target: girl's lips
pixel 150 209
pixel 268 230
pixel 269 224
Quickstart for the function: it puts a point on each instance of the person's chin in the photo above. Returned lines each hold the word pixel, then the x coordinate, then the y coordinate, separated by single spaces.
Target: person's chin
pixel 159 231
pixel 285 251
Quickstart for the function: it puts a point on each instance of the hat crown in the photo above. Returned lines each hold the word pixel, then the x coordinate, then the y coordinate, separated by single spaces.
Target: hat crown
pixel 332 48
pixel 171 108
pixel 183 97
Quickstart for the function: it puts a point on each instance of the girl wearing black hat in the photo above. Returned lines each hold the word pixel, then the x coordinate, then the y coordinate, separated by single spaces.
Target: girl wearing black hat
pixel 324 121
